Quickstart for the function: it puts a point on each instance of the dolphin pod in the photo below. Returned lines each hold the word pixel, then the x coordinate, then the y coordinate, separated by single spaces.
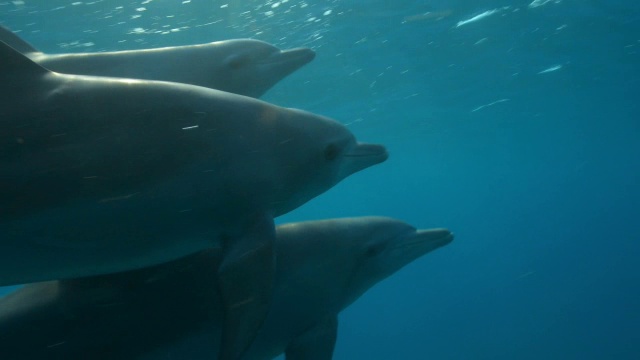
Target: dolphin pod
pixel 172 311
pixel 241 66
pixel 100 175
pixel 183 308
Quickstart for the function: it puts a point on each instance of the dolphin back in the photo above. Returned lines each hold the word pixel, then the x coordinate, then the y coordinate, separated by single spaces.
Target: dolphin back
pixel 11 39
pixel 13 63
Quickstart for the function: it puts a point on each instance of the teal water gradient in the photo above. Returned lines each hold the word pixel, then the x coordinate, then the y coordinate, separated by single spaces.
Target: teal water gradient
pixel 513 123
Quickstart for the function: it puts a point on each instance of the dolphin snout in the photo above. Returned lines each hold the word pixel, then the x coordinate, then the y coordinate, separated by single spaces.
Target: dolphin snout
pixel 436 237
pixel 373 151
pixel 363 156
pixel 297 56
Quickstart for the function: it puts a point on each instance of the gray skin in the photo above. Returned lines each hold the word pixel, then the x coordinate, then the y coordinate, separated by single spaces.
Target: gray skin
pixel 100 175
pixel 241 66
pixel 170 311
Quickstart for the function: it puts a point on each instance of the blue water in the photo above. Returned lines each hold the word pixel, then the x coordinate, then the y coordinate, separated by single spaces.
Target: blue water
pixel 517 126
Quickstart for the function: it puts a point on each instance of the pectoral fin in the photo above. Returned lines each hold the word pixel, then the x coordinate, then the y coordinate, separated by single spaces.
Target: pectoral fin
pixel 246 281
pixel 317 343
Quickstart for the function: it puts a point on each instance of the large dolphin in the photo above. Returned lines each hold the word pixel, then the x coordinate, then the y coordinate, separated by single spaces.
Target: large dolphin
pixel 99 175
pixel 241 66
pixel 171 311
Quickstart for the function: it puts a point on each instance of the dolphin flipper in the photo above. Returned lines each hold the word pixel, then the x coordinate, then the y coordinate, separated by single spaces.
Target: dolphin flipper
pixel 317 343
pixel 246 278
pixel 13 40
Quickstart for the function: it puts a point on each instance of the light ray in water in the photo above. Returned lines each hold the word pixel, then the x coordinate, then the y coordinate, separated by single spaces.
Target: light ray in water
pixel 491 104
pixel 553 68
pixel 477 17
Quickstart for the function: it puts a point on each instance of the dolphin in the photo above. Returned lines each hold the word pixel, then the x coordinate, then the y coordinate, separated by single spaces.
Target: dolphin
pixel 100 175
pixel 241 66
pixel 171 311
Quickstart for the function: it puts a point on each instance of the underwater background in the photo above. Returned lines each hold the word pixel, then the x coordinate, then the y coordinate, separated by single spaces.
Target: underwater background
pixel 516 124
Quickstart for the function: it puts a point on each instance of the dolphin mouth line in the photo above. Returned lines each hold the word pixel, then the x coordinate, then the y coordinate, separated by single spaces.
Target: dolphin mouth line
pixel 303 55
pixel 364 155
pixel 447 238
pixel 367 150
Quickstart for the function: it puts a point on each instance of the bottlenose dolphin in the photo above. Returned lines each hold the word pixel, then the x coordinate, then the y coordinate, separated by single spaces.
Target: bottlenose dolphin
pixel 241 66
pixel 171 311
pixel 100 175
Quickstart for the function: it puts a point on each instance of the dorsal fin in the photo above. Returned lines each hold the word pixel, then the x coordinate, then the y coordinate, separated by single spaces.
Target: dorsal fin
pixel 15 41
pixel 14 63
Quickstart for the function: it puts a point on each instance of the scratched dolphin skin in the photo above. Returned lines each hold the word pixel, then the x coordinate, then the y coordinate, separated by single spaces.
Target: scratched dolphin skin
pixel 100 175
pixel 171 311
pixel 241 66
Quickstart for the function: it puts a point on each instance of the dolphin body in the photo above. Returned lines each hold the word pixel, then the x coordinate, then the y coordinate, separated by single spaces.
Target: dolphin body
pixel 100 175
pixel 241 66
pixel 171 311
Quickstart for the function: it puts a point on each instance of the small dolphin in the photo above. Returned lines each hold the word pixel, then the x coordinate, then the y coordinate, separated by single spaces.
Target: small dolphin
pixel 172 311
pixel 241 66
pixel 100 175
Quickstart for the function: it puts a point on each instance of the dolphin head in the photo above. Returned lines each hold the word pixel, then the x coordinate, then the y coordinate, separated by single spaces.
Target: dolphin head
pixel 381 246
pixel 337 260
pixel 251 67
pixel 316 154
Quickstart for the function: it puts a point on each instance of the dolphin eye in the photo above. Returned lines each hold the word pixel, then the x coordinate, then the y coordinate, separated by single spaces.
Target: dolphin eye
pixel 237 61
pixel 331 152
pixel 374 250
